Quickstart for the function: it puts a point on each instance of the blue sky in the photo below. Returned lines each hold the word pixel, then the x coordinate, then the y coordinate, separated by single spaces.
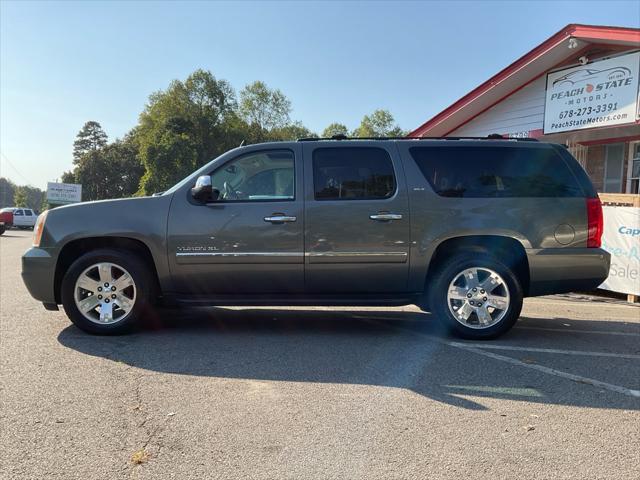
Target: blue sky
pixel 62 64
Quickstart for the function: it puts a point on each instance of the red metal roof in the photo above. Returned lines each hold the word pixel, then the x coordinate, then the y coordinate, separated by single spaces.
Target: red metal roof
pixel 524 70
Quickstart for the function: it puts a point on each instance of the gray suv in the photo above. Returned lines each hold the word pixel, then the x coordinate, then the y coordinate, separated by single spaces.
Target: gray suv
pixel 464 228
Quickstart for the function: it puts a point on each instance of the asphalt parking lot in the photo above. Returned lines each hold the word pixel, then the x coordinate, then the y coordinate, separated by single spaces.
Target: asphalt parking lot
pixel 318 393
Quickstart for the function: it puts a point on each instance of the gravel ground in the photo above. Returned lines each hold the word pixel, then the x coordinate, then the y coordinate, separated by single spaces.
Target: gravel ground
pixel 318 393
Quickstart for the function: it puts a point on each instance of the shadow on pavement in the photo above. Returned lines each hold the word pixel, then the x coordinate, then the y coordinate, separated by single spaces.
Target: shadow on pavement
pixel 398 349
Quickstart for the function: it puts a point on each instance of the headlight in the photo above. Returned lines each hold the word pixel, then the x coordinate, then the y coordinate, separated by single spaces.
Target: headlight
pixel 39 228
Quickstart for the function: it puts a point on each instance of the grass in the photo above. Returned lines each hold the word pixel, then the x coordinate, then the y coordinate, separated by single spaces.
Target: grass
pixel 140 456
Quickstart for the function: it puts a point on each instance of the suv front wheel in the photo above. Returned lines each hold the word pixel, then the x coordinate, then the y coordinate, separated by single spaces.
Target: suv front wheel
pixel 105 292
pixel 476 296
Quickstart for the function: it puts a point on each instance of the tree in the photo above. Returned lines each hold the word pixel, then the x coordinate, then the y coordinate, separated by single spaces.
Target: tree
pixel 184 127
pixel 292 131
pixel 126 168
pixel 179 130
pixel 335 129
pixel 112 171
pixel 35 197
pixel 20 197
pixel 68 177
pixel 90 138
pixel 267 108
pixel 7 191
pixel 379 124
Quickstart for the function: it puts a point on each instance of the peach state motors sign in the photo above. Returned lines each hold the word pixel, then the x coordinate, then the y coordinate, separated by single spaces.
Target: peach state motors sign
pixel 599 94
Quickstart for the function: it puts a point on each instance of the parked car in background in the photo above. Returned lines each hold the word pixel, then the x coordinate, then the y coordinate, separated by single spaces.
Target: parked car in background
pixel 464 228
pixel 22 217
pixel 6 219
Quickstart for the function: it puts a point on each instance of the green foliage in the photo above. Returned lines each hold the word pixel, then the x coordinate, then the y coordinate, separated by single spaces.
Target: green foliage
pixel 111 172
pixel 187 125
pixel 89 139
pixel 335 129
pixel 7 191
pixel 293 131
pixel 184 127
pixel 20 197
pixel 44 205
pixel 12 195
pixel 267 108
pixel 379 124
pixel 68 177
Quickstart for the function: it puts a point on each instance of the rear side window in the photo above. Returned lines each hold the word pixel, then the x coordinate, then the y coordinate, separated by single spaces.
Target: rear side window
pixel 474 172
pixel 357 173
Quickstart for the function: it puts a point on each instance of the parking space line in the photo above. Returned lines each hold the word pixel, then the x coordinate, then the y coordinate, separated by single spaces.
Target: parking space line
pixel 574 303
pixel 550 371
pixel 532 366
pixel 492 346
pixel 574 330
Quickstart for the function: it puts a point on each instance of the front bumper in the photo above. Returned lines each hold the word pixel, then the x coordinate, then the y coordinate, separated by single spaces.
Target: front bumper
pixel 561 270
pixel 38 273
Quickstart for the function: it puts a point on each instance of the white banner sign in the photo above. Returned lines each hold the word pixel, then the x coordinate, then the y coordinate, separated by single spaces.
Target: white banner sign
pixel 622 240
pixel 63 193
pixel 595 95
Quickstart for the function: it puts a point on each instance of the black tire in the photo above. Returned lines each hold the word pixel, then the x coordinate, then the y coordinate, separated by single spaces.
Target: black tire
pixel 445 274
pixel 2 229
pixel 143 282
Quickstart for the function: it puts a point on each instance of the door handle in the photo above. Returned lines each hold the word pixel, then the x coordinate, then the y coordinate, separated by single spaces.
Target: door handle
pixel 280 218
pixel 385 217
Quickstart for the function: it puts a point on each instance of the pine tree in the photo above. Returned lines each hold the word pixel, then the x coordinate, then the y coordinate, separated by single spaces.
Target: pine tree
pixel 89 139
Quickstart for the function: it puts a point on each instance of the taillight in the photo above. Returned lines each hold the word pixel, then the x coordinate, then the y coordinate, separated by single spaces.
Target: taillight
pixel 38 228
pixel 595 222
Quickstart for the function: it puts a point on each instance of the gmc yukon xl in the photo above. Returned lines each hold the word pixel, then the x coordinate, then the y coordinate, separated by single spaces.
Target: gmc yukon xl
pixel 464 228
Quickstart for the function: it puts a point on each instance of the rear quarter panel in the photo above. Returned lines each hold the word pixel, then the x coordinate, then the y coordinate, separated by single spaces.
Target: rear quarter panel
pixel 533 222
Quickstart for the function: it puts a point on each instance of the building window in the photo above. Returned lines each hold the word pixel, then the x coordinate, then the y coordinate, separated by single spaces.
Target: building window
pixel 635 169
pixel 613 166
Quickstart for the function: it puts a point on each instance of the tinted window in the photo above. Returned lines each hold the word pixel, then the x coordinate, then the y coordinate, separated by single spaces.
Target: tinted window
pixel 18 213
pixel 352 174
pixel 496 172
pixel 257 176
pixel 27 213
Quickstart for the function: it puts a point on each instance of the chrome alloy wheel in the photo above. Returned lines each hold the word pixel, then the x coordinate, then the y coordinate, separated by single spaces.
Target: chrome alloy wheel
pixel 478 297
pixel 105 293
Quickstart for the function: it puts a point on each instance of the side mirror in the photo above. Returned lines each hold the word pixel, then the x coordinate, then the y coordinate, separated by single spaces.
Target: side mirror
pixel 203 192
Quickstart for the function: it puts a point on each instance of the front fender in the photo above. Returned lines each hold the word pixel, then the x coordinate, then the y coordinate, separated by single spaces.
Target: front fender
pixel 141 219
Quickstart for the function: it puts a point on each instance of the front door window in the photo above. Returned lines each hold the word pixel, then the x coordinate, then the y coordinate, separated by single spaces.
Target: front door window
pixel 259 176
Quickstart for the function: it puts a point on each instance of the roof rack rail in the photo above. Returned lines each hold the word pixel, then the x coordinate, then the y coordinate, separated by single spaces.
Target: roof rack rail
pixel 344 137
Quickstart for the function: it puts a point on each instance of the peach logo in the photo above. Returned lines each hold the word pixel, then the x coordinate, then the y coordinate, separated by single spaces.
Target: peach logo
pixel 589 88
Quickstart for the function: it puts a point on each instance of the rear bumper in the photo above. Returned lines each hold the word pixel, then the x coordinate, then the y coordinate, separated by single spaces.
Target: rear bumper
pixel 561 270
pixel 38 272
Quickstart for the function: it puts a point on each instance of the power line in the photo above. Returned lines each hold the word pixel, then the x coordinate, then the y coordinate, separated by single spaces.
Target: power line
pixel 15 169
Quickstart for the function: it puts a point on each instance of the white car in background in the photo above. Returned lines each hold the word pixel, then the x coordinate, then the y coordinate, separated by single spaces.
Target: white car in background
pixel 22 217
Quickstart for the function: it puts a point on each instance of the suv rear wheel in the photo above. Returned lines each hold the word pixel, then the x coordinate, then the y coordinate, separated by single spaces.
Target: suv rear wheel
pixel 476 296
pixel 105 292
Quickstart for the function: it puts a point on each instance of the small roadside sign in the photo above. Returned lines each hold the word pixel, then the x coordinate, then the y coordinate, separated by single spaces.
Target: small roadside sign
pixel 63 193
